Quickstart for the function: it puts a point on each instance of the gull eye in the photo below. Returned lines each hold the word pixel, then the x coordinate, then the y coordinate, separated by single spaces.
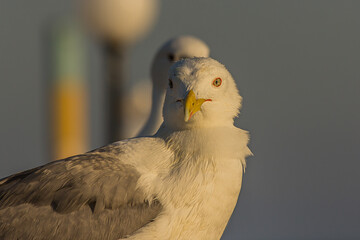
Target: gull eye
pixel 171 57
pixel 171 85
pixel 217 82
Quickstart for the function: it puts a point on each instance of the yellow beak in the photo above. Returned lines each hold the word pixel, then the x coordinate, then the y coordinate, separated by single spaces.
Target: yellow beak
pixel 192 105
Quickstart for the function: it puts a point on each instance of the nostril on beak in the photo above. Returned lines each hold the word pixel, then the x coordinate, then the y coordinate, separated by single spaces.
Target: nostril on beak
pixel 179 100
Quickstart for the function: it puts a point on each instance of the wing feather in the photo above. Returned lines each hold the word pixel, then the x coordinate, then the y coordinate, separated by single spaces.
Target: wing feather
pixel 95 188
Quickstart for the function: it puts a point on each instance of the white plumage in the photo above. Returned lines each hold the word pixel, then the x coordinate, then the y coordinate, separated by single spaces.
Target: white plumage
pixel 182 183
pixel 173 50
pixel 202 180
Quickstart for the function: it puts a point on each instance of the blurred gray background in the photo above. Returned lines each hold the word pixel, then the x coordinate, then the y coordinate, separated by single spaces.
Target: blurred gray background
pixel 297 65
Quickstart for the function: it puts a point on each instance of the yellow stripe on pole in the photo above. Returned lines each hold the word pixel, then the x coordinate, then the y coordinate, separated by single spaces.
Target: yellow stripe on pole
pixel 69 120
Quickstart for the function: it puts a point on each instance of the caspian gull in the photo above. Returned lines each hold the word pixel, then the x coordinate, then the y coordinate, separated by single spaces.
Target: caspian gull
pixel 181 183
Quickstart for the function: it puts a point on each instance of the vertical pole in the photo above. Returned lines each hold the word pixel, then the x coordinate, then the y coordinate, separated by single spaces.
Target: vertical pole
pixel 69 95
pixel 114 90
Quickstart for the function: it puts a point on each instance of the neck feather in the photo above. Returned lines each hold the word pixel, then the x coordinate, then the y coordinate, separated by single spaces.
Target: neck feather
pixel 155 119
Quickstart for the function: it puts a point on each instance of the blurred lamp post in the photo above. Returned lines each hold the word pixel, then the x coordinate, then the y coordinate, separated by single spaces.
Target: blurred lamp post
pixel 119 23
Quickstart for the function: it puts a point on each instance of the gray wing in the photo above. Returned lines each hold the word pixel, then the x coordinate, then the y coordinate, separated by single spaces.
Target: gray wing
pixel 88 196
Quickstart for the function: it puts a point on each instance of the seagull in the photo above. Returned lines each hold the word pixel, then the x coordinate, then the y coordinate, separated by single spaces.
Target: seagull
pixel 173 50
pixel 181 183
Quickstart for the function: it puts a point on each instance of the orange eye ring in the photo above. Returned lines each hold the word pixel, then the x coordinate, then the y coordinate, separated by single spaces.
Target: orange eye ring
pixel 217 82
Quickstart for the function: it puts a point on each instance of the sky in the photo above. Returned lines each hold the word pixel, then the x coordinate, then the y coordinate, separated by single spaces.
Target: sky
pixel 296 64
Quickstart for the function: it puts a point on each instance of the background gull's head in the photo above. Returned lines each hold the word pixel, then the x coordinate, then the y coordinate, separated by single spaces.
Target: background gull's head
pixel 173 50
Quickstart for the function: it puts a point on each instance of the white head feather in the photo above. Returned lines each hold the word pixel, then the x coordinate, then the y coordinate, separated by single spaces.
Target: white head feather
pixel 209 80
pixel 172 51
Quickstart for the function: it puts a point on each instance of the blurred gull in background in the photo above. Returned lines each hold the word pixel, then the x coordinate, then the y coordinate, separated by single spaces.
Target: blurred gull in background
pixel 172 51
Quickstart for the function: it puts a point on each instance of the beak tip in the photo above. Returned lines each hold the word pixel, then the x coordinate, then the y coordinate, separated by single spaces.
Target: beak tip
pixel 187 117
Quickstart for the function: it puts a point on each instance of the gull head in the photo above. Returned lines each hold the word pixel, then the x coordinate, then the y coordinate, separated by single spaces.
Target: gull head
pixel 172 51
pixel 201 93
